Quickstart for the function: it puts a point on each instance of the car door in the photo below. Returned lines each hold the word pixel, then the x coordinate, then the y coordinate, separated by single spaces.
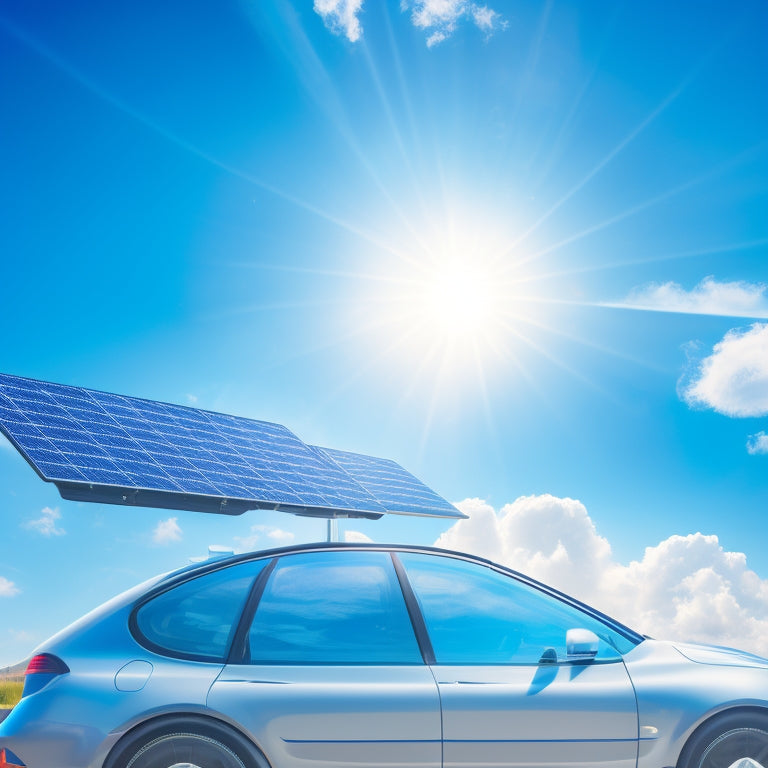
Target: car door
pixel 510 695
pixel 332 674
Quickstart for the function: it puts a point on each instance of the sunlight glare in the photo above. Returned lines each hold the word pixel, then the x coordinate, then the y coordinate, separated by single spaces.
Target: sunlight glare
pixel 460 303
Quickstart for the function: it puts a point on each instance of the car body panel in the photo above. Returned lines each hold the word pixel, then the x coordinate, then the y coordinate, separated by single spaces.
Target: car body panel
pixel 326 716
pixel 675 694
pixel 538 715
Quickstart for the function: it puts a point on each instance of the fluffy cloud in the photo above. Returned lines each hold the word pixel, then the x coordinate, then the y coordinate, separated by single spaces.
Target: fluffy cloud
pixel 276 537
pixel 8 588
pixel 355 537
pixel 439 18
pixel 685 588
pixel 341 17
pixel 733 380
pixel 734 299
pixel 167 531
pixel 46 523
pixel 757 443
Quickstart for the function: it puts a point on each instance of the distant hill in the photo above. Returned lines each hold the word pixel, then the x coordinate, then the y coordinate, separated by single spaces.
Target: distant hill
pixel 16 672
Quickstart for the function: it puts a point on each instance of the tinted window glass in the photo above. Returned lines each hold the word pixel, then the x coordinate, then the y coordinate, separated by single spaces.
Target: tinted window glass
pixel 199 617
pixel 476 615
pixel 333 608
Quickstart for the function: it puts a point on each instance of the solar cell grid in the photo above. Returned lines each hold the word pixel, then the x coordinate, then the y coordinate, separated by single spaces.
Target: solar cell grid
pixel 396 488
pixel 105 447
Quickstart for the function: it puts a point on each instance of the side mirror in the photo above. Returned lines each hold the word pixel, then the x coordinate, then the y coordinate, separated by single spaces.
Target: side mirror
pixel 581 644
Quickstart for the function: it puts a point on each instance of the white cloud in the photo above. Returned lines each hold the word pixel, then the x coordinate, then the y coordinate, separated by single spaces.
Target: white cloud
pixel 757 443
pixel 734 299
pixel 46 523
pixel 685 588
pixel 341 17
pixel 276 537
pixel 733 380
pixel 280 536
pixel 355 537
pixel 485 18
pixel 8 588
pixel 440 18
pixel 167 531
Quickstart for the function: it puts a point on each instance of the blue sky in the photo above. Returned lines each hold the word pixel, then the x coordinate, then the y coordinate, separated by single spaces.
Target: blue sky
pixel 521 248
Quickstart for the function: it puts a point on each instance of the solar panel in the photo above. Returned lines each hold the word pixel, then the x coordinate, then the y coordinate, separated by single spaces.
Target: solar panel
pixel 96 446
pixel 394 487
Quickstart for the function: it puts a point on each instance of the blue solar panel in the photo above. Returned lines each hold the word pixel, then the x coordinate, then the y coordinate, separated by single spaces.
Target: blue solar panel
pixel 97 446
pixel 111 448
pixel 394 487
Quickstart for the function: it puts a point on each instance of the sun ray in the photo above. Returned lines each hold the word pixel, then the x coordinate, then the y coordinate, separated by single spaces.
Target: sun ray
pixel 639 207
pixel 94 88
pixel 690 254
pixel 562 133
pixel 672 97
pixel 406 158
pixel 582 340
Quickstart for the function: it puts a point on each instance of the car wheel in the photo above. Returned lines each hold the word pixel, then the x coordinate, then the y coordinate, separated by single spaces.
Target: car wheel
pixel 739 740
pixel 185 743
pixel 185 750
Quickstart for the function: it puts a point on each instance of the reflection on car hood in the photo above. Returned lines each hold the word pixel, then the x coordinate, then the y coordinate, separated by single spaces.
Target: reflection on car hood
pixel 713 654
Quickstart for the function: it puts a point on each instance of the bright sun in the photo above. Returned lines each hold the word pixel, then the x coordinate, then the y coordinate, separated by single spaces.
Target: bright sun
pixel 461 302
pixel 449 307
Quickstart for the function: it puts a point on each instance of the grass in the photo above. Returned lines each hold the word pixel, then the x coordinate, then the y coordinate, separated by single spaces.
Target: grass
pixel 10 693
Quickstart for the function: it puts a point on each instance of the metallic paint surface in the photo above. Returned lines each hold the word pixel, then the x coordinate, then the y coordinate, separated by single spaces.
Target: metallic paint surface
pixel 326 716
pixel 538 715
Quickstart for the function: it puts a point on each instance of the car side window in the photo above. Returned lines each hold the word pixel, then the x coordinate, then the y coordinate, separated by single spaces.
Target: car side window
pixel 477 615
pixel 198 618
pixel 333 608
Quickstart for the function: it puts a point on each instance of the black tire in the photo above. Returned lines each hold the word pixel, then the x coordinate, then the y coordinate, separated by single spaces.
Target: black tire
pixel 735 740
pixel 185 742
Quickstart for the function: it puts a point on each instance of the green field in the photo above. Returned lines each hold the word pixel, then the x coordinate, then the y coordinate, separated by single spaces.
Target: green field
pixel 10 693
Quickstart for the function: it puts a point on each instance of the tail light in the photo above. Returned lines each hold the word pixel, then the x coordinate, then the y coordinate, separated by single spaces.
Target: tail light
pixel 46 664
pixel 41 670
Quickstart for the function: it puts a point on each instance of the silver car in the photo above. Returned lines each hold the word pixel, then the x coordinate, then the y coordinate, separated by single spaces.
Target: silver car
pixel 327 656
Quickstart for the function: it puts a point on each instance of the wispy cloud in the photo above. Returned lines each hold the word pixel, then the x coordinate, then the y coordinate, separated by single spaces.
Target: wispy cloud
pixel 22 636
pixel 757 444
pixel 167 531
pixel 685 588
pixel 341 17
pixel 275 537
pixel 8 588
pixel 709 297
pixel 733 380
pixel 46 523
pixel 356 537
pixel 440 18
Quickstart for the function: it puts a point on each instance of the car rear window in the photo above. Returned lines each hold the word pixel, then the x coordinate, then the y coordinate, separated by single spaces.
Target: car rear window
pixel 198 618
